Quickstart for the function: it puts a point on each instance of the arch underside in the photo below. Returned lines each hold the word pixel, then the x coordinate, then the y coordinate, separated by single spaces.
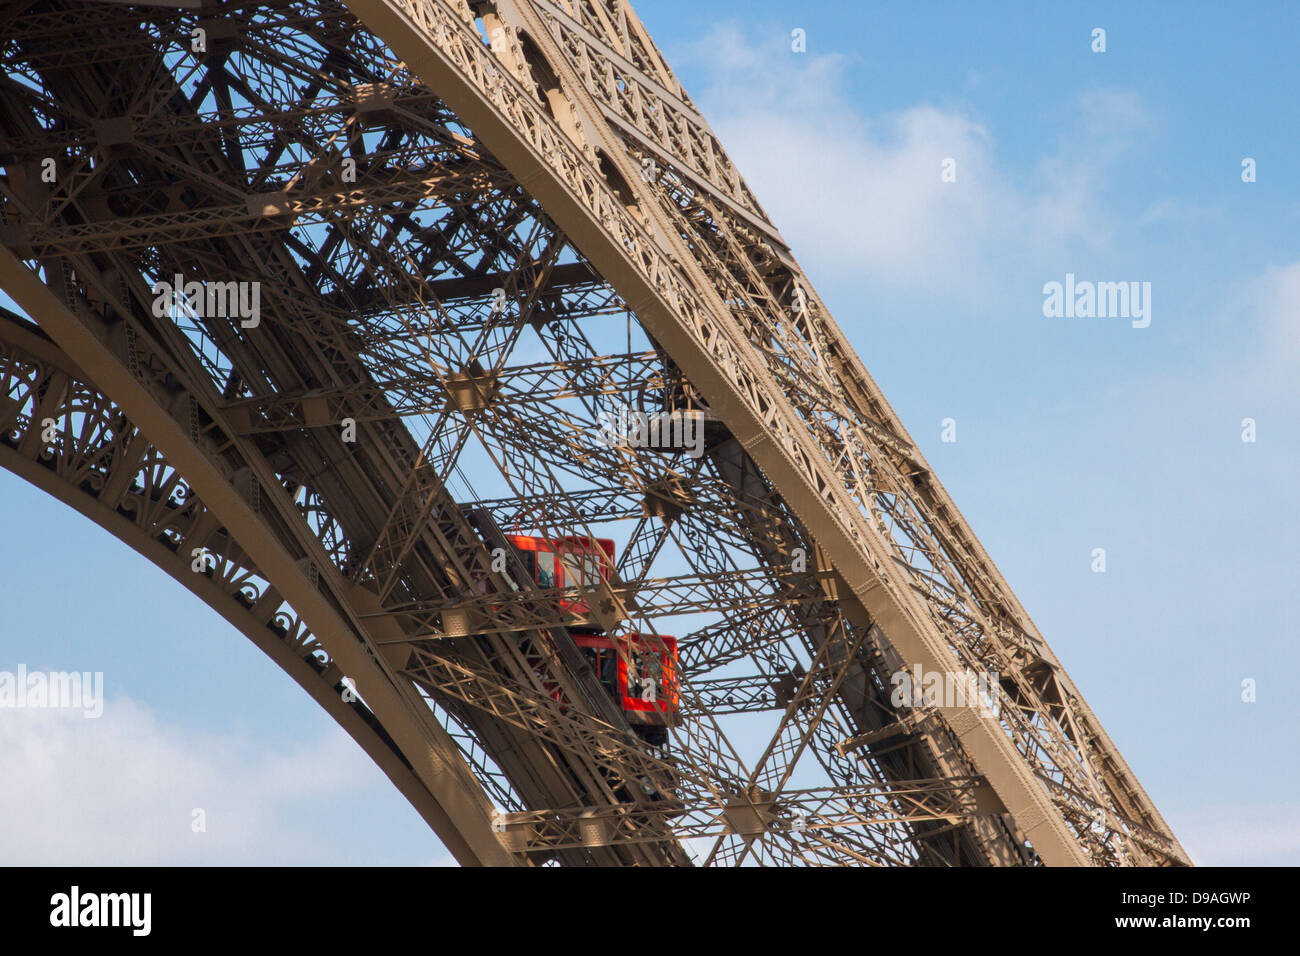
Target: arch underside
pixel 442 329
pixel 103 467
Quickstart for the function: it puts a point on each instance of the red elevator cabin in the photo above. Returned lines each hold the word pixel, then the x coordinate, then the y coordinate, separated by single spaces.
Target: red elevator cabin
pixel 639 671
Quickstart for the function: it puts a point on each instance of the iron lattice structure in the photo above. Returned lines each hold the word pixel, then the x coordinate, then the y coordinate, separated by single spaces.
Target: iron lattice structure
pixel 474 228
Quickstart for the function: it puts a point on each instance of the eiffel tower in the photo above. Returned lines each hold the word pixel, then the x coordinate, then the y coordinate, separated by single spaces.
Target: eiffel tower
pixel 324 307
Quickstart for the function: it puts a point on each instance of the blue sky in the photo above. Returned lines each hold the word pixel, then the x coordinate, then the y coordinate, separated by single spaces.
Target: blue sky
pixel 1072 434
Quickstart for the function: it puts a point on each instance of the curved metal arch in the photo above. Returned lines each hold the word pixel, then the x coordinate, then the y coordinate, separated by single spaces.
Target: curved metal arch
pixel 586 182
pixel 116 332
pixel 547 109
pixel 788 388
pixel 93 467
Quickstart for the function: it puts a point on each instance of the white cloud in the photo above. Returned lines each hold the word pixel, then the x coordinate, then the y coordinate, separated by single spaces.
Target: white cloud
pixel 1251 352
pixel 121 790
pixel 1264 835
pixel 1171 209
pixel 1274 300
pixel 865 191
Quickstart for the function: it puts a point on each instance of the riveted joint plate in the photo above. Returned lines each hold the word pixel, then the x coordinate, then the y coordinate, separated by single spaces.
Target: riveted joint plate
pixel 114 132
pixel 472 391
pixel 750 816
pixel 459 622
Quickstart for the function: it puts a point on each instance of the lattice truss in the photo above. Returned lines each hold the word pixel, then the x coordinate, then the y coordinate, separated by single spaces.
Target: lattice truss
pixel 434 363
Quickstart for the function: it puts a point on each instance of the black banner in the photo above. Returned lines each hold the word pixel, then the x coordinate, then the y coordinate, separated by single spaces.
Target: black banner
pixel 745 907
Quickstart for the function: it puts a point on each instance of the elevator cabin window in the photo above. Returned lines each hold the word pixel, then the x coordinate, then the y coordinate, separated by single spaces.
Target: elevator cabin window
pixel 545 569
pixel 581 570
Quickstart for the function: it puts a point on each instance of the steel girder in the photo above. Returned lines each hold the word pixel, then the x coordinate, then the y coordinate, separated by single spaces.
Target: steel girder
pixel 103 464
pixel 450 211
